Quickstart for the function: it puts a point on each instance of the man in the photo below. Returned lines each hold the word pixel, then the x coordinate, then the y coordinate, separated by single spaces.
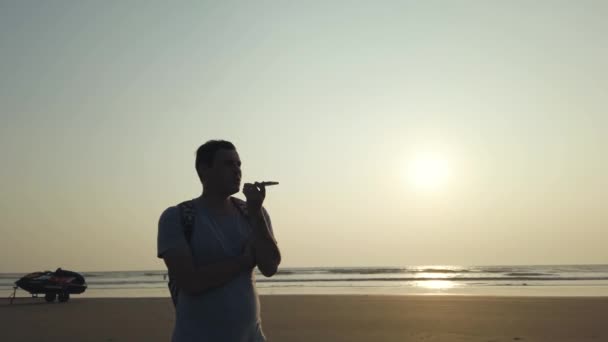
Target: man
pixel 217 298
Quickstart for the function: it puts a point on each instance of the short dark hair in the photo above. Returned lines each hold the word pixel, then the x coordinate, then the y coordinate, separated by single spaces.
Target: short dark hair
pixel 205 154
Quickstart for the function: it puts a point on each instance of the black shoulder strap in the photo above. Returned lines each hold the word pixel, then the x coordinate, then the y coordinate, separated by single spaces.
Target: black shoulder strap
pixel 187 213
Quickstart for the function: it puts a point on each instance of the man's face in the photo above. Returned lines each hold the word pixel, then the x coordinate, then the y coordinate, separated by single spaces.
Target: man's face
pixel 225 175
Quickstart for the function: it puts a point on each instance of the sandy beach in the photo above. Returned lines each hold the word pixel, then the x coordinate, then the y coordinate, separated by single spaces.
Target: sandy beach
pixel 325 318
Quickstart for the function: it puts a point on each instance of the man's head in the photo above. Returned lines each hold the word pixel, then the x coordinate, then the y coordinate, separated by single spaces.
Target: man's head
pixel 219 167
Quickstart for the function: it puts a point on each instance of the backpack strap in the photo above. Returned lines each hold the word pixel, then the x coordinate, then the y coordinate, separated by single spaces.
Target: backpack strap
pixel 187 214
pixel 186 210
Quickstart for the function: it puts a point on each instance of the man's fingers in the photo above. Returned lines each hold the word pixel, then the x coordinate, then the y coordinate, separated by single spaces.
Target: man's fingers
pixel 250 187
pixel 260 184
pixel 253 191
pixel 257 186
pixel 261 187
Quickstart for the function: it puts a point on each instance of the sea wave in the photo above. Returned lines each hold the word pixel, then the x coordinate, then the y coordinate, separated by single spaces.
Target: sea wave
pixel 516 274
pixel 392 279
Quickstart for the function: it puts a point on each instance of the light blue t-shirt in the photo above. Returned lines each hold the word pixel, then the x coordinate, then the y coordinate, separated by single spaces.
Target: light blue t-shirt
pixel 230 313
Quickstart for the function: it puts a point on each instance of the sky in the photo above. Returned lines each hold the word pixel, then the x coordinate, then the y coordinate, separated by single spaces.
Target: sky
pixel 401 132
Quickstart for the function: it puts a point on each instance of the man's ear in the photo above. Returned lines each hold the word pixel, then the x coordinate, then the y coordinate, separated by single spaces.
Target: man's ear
pixel 204 171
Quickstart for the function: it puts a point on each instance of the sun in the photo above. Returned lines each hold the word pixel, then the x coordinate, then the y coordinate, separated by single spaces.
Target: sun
pixel 428 172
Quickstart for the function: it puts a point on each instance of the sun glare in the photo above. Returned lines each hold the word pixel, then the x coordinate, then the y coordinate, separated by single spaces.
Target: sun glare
pixel 436 284
pixel 428 172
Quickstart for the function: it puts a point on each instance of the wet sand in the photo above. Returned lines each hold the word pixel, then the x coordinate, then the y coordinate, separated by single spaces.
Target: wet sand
pixel 324 318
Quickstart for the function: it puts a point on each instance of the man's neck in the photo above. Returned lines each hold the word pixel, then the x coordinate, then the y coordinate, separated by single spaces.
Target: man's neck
pixel 216 202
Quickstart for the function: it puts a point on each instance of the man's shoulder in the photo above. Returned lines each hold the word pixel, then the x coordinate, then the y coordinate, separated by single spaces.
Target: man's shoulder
pixel 174 209
pixel 169 215
pixel 169 211
pixel 170 232
pixel 174 213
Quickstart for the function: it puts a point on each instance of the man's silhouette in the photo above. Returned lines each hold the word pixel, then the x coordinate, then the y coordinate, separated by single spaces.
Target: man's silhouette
pixel 217 298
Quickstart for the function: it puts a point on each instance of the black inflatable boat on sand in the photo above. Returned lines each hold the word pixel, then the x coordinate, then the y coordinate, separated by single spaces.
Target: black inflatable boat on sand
pixel 59 284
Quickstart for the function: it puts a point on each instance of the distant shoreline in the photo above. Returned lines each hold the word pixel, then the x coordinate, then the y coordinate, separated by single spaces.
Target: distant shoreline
pixel 503 280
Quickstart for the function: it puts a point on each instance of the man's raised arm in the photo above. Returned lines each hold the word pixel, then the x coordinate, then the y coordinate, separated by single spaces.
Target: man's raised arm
pixel 267 254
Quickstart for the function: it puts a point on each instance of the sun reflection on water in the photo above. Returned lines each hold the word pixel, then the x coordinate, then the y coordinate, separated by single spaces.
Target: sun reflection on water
pixel 436 284
pixel 433 275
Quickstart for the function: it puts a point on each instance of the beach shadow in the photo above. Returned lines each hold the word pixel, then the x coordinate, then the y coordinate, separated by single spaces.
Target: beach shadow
pixel 24 302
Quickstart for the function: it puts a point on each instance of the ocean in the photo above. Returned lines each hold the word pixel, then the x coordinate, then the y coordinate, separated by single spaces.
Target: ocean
pixel 514 280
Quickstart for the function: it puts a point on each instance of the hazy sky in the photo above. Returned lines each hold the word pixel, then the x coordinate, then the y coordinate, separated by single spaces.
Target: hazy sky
pixel 499 109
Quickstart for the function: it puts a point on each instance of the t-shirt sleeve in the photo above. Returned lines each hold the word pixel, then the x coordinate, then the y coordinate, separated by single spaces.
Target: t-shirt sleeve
pixel 170 231
pixel 269 223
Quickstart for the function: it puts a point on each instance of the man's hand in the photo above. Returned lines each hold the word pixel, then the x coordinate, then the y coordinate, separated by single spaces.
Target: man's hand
pixel 266 251
pixel 255 194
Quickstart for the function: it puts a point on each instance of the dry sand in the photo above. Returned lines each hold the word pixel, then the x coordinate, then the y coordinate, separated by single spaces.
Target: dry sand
pixel 325 318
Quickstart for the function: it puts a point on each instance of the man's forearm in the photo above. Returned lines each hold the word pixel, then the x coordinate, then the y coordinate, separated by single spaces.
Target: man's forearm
pixel 267 254
pixel 214 275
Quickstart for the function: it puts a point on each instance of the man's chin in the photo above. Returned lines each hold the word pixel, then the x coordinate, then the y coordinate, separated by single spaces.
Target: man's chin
pixel 234 190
